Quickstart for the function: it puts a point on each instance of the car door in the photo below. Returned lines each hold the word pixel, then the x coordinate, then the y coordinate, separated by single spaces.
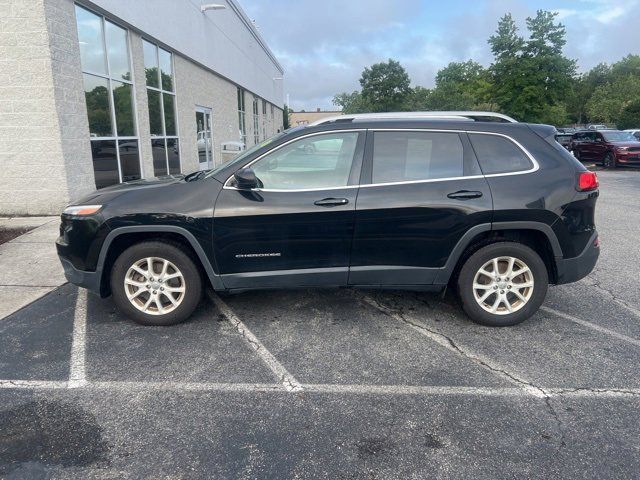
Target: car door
pixel 296 229
pixel 421 191
pixel 599 149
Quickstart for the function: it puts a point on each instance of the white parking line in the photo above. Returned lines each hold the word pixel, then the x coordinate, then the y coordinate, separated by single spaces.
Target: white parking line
pixel 418 390
pixel 77 373
pixel 593 326
pixel 188 386
pixel 32 384
pixel 288 381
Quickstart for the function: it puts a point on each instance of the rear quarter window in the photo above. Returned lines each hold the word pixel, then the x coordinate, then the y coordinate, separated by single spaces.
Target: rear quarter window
pixel 499 154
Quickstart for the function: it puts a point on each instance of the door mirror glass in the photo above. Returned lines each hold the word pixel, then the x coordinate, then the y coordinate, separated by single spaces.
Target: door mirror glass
pixel 245 179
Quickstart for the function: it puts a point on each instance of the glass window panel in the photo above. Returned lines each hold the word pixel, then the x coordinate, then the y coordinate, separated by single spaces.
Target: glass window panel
pixel 117 51
pixel 499 155
pixel 123 106
pixel 169 114
pixel 322 161
pixel 96 92
pixel 173 153
pixel 92 54
pixel 105 162
pixel 407 156
pixel 166 70
pixel 155 112
pixel 151 63
pixel 129 160
pixel 159 153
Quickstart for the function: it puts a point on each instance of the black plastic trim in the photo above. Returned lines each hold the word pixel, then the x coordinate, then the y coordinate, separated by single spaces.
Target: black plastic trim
pixel 214 278
pixel 529 225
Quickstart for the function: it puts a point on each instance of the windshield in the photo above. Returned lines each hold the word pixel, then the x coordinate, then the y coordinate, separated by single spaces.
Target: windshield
pixel 619 136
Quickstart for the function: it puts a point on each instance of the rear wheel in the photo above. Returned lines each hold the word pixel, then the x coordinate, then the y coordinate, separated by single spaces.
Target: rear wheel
pixel 156 283
pixel 610 161
pixel 502 284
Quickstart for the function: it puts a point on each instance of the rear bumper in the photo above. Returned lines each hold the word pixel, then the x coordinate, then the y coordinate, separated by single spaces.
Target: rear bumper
pixel 573 269
pixel 89 280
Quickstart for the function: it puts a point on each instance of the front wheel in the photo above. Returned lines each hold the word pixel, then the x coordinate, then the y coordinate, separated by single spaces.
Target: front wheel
pixel 610 161
pixel 502 284
pixel 156 283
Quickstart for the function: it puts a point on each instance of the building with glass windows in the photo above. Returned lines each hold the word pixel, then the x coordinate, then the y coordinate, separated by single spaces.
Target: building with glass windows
pixel 98 92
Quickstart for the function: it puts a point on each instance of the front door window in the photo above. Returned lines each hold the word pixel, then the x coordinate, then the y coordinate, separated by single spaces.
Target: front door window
pixel 317 162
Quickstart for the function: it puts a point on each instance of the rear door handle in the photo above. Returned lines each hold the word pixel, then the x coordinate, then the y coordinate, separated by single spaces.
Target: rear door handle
pixel 464 195
pixel 331 202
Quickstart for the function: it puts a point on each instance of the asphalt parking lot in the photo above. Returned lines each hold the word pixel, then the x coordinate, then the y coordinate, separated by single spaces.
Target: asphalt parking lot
pixel 334 383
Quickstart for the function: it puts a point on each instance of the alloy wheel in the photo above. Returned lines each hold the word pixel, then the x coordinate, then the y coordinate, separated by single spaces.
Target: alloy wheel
pixel 154 286
pixel 503 285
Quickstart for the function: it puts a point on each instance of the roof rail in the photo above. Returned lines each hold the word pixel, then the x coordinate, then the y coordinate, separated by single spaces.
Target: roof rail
pixel 463 115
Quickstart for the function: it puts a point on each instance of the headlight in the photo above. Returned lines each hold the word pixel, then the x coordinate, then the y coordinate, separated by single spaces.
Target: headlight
pixel 622 149
pixel 82 210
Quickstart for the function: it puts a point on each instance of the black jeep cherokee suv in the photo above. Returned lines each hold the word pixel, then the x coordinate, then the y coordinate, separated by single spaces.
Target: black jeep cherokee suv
pixel 497 209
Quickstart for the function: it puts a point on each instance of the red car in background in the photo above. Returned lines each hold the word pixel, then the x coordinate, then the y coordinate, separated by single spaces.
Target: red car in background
pixel 612 148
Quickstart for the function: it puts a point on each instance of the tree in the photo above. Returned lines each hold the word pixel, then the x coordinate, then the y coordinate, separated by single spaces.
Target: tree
pixel 351 102
pixel 610 100
pixel 630 116
pixel 385 86
pixel 461 86
pixel 531 78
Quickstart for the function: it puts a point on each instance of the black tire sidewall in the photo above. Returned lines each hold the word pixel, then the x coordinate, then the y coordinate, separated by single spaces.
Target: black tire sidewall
pixel 612 163
pixel 193 282
pixel 483 255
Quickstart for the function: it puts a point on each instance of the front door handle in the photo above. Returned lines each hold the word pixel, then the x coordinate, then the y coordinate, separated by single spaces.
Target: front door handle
pixel 464 195
pixel 331 202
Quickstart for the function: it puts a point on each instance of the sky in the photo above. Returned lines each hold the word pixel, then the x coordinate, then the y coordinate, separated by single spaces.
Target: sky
pixel 324 45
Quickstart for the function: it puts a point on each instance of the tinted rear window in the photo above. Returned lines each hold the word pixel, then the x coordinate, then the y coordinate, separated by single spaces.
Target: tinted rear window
pixel 499 155
pixel 407 156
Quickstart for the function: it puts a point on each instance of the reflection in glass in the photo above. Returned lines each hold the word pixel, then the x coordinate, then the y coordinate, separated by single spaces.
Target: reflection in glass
pixel 105 162
pixel 166 71
pixel 129 160
pixel 123 106
pixel 173 154
pixel 169 114
pixel 117 51
pixel 151 63
pixel 155 112
pixel 92 54
pixel 96 91
pixel 159 153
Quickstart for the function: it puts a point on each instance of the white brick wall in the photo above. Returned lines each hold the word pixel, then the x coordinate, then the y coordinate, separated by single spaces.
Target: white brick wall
pixel 42 112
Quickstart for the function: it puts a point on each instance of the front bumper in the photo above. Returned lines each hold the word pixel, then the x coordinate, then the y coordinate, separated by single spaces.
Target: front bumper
pixel 627 158
pixel 573 269
pixel 89 280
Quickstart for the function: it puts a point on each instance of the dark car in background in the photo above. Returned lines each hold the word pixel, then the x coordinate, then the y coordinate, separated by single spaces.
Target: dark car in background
pixel 397 201
pixel 612 148
pixel 564 139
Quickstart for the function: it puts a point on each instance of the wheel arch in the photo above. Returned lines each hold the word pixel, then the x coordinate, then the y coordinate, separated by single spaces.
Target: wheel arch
pixel 123 237
pixel 538 236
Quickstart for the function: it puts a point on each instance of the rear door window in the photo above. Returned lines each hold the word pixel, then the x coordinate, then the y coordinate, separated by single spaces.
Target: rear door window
pixel 414 156
pixel 498 154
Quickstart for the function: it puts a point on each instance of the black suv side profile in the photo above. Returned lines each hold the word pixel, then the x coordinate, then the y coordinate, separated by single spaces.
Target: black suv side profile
pixel 495 208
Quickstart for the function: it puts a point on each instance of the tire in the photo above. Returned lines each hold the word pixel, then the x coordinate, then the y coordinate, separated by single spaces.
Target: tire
pixel 522 309
pixel 609 161
pixel 576 154
pixel 183 284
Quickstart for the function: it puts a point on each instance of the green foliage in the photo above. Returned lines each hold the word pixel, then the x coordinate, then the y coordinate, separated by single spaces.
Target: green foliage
pixel 385 86
pixel 530 79
pixel 351 102
pixel 630 116
pixel 286 120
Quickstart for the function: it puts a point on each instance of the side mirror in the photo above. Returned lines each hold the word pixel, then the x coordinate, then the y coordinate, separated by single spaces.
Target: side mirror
pixel 246 179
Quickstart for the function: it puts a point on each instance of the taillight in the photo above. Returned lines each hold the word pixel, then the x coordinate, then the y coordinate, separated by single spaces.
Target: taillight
pixel 587 181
